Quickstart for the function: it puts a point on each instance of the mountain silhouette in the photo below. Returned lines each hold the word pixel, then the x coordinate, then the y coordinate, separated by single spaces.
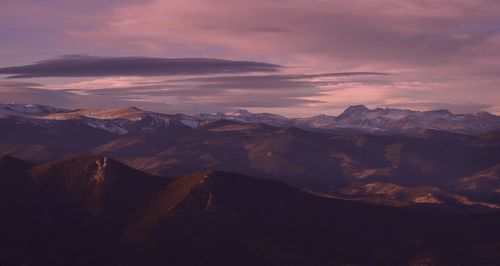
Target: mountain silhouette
pixel 94 210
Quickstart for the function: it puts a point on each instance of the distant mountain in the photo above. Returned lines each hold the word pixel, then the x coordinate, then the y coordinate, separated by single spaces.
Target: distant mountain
pixel 92 210
pixel 128 120
pixel 29 109
pixel 355 118
pixel 245 116
pixel 395 195
pixel 394 121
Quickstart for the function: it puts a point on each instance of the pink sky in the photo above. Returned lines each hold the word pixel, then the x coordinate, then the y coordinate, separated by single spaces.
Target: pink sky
pixel 439 53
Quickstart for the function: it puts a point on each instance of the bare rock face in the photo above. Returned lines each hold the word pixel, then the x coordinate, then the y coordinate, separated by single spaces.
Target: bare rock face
pixel 100 171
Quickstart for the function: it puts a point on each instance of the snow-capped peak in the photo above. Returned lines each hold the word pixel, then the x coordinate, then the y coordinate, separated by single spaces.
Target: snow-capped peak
pixel 356 108
pixel 29 109
pixel 244 116
pixel 391 120
pixel 359 117
pixel 239 112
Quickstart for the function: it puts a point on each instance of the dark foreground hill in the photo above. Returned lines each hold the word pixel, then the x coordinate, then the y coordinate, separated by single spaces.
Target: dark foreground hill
pixel 96 211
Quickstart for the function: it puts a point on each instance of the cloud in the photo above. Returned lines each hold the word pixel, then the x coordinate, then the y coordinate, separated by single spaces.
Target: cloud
pixel 439 52
pixel 309 99
pixel 220 92
pixel 358 32
pixel 28 92
pixel 459 107
pixel 91 66
pixel 283 77
pixel 178 101
pixel 257 91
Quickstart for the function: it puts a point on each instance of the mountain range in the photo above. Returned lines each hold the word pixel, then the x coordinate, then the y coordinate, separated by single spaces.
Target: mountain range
pixel 355 118
pixel 133 187
pixel 91 210
pixel 456 171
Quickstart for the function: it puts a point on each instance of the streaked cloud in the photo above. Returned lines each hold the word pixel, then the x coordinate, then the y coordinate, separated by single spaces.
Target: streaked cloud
pixel 92 66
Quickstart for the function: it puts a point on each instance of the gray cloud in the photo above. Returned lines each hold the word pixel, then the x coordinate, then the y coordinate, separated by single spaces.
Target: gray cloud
pixel 186 98
pixel 91 66
pixel 254 90
pixel 215 92
pixel 284 77
pixel 290 81
pixel 455 107
pixel 4 84
pixel 27 92
pixel 279 86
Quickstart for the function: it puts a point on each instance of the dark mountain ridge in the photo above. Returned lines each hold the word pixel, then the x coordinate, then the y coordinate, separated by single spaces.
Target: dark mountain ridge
pixel 215 218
